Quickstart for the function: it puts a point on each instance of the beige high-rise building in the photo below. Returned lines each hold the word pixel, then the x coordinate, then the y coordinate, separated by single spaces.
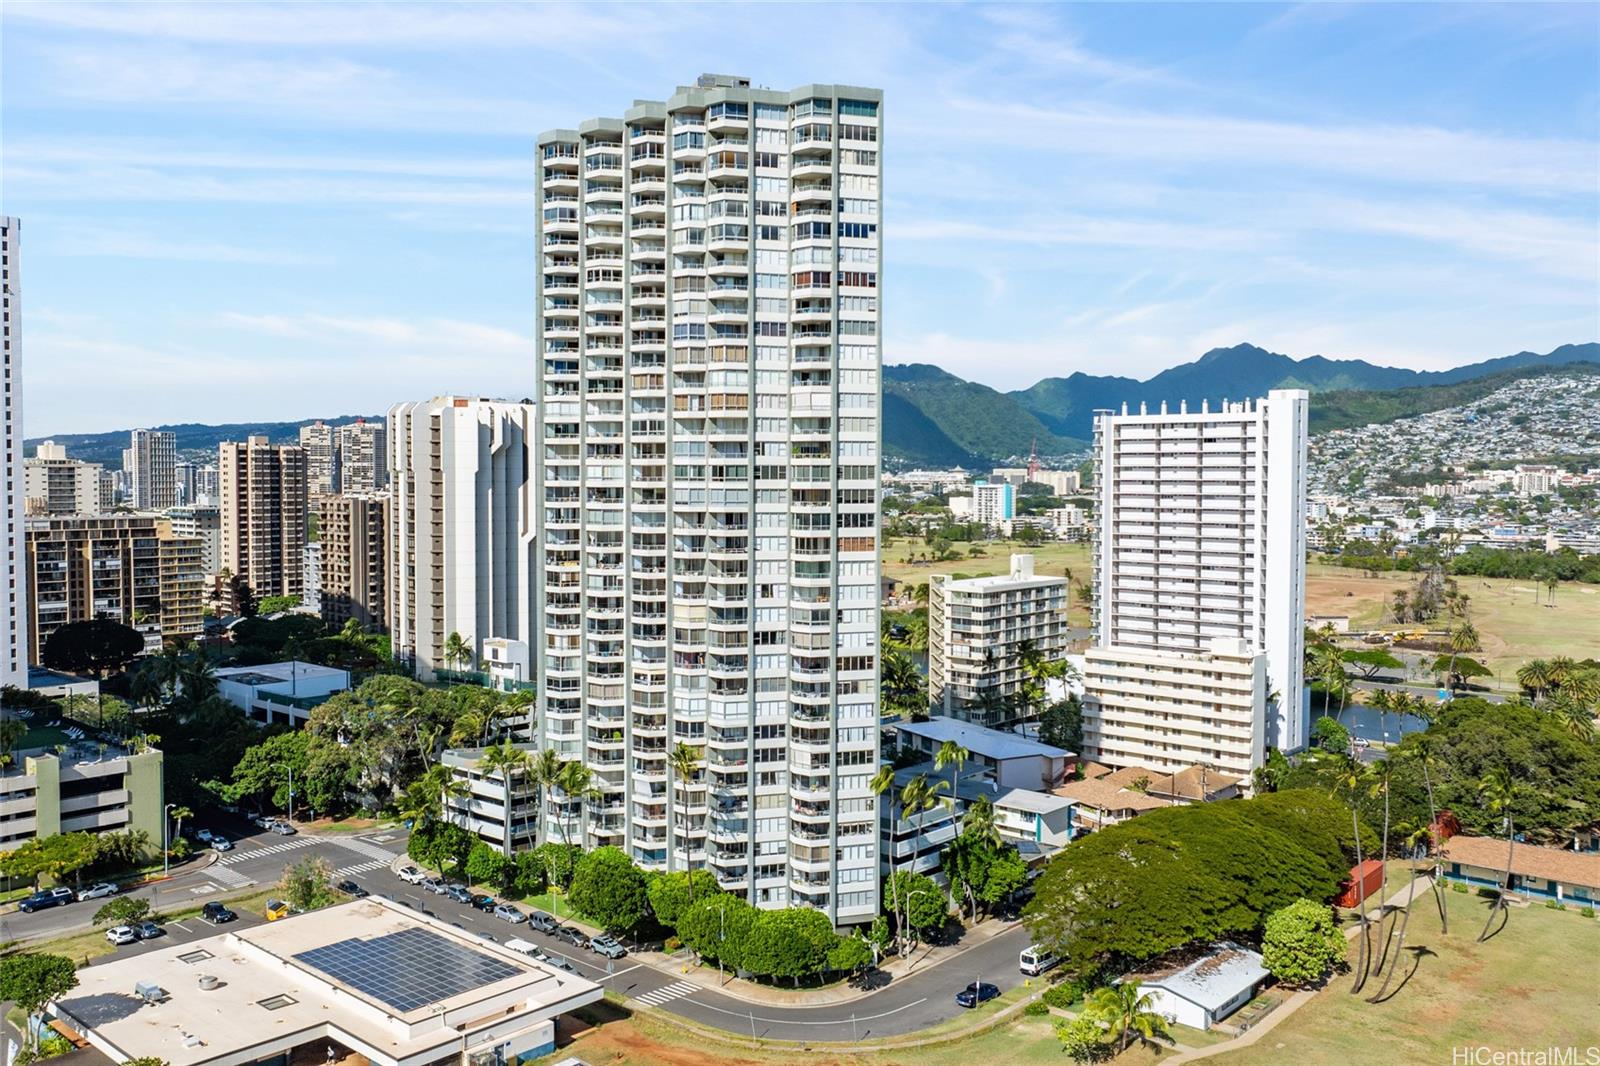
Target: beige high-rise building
pixel 354 536
pixel 125 567
pixel 321 442
pixel 263 491
pixel 204 524
pixel 153 455
pixel 13 561
pixel 709 407
pixel 55 484
pixel 362 465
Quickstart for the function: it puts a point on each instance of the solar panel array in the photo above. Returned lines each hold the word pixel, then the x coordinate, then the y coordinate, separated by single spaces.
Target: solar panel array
pixel 408 969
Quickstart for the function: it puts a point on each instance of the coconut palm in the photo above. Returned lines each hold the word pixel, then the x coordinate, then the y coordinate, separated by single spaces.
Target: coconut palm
pixel 545 772
pixel 1128 1014
pixel 882 784
pixel 1463 639
pixel 508 762
pixel 1499 790
pixel 902 684
pixel 577 787
pixel 1536 677
pixel 1348 777
pixel 458 650
pixel 978 822
pixel 918 796
pixel 683 764
pixel 1416 840
pixel 953 755
pixel 178 814
pixel 1329 669
pixel 1420 749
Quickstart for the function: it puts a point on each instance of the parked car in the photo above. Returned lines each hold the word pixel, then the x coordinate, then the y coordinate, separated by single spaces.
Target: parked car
pixel 412 876
pixel 975 993
pixel 100 891
pixel 483 903
pixel 148 930
pixel 573 935
pixel 262 820
pixel 50 897
pixel 203 835
pixel 458 893
pixel 221 843
pixel 608 946
pixel 486 936
pixel 284 829
pixel 524 947
pixel 433 884
pixel 122 934
pixel 1036 960
pixel 216 913
pixel 509 913
pixel 350 888
pixel 543 922
pixel 558 962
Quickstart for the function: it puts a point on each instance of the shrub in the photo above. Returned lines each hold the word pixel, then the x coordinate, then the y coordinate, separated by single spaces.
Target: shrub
pixel 1457 886
pixel 1587 912
pixel 1488 893
pixel 1062 995
pixel 1555 905
pixel 672 944
pixel 1037 1008
pixel 1301 943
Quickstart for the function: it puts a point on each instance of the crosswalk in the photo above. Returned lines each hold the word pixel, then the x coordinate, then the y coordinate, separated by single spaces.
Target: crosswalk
pixel 367 855
pixel 364 847
pixel 361 868
pixel 676 990
pixel 239 855
pixel 229 878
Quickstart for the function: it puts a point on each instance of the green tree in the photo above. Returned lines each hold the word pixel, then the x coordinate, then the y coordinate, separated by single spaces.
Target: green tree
pixel 1061 725
pixel 719 928
pixel 458 651
pixel 530 877
pixel 851 954
pixel 673 893
pixel 487 865
pixel 262 775
pixel 123 910
pixel 308 884
pixel 953 755
pixel 560 860
pixel 1301 943
pixel 792 943
pixel 1128 1014
pixel 610 890
pixel 926 909
pixel 1083 1039
pixel 277 604
pixel 34 981
pixel 509 763
pixel 98 646
pixel 1329 734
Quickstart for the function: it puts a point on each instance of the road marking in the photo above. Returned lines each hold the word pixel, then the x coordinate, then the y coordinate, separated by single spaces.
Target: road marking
pixel 364 847
pixel 668 993
pixel 203 890
pixel 180 925
pixel 229 877
pixel 835 1021
pixel 630 969
pixel 361 868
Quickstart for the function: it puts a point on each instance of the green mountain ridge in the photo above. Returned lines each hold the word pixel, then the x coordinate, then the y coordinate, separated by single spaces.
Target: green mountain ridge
pixel 106 448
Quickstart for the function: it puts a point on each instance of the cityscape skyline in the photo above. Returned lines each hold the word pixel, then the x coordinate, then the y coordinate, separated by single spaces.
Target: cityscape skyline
pixel 1208 180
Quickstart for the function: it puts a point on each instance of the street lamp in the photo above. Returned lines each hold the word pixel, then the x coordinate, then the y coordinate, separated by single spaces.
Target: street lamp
pixel 166 850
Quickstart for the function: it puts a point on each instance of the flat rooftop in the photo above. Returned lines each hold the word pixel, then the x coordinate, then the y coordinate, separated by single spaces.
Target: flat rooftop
pixel 276 673
pixel 370 974
pixel 989 743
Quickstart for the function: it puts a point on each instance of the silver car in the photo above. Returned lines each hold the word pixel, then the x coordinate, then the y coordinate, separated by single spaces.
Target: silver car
pixel 100 891
pixel 510 914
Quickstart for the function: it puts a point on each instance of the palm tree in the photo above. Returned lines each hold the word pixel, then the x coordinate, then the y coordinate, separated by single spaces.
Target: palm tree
pixel 1128 1014
pixel 1499 790
pixel 458 650
pixel 12 730
pixel 953 755
pixel 576 783
pixel 1535 676
pixel 178 814
pixel 1576 717
pixel 901 682
pixel 168 667
pixel 198 676
pixel 546 774
pixel 918 796
pixel 1329 669
pixel 1348 776
pixel 1036 671
pixel 507 761
pixel 1414 841
pixel 882 784
pixel 683 763
pixel 1421 749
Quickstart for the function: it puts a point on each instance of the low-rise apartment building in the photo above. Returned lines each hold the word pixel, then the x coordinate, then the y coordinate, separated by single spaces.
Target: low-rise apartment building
pixel 280 693
pixel 977 628
pixel 84 789
pixel 1011 761
pixel 505 816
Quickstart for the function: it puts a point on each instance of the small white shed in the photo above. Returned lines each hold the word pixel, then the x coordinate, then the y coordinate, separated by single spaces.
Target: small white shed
pixel 1206 990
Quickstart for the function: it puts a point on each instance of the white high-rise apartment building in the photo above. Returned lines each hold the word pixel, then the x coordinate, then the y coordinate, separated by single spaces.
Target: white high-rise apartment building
pixel 13 556
pixel 977 627
pixel 154 455
pixel 462 529
pixel 1200 537
pixel 709 406
pixel 361 463
pixel 55 484
pixel 321 442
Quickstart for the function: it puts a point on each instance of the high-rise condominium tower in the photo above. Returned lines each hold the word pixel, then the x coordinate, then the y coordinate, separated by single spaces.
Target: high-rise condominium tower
pixel 361 457
pixel 355 534
pixel 155 479
pixel 321 442
pixel 708 474
pixel 263 489
pixel 462 533
pixel 1199 567
pixel 13 560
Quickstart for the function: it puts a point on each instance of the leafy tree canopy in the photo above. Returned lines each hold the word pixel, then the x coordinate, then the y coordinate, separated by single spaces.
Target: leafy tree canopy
pixel 1301 943
pixel 608 888
pixel 99 646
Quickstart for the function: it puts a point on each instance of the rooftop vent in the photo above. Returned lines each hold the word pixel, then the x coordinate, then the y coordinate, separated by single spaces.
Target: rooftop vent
pixel 208 981
pixel 277 1002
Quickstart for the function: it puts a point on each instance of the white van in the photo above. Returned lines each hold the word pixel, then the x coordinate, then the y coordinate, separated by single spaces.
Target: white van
pixel 1036 960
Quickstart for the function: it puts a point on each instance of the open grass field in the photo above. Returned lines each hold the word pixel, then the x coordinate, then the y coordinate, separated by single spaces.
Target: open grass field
pixel 1519 990
pixel 1052 557
pixel 1513 626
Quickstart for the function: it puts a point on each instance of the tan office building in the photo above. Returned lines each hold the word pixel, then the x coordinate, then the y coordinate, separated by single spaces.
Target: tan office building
pixel 263 490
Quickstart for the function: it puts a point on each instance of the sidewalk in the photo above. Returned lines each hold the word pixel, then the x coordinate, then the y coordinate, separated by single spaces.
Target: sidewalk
pixel 706 975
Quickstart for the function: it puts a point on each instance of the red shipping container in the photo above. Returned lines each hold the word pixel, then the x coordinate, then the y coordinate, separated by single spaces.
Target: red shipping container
pixel 1370 875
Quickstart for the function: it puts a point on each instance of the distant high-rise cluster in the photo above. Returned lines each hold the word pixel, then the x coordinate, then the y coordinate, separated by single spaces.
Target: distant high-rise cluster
pixel 348 458
pixel 709 405
pixel 13 572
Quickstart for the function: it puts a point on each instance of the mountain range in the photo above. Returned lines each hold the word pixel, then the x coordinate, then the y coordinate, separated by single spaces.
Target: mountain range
pixel 934 418
pixel 106 448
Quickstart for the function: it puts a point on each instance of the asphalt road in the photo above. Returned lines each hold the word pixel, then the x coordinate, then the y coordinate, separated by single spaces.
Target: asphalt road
pixel 904 1005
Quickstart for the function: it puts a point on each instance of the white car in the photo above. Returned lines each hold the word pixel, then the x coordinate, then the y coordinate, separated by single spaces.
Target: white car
pixel 221 844
pixel 412 876
pixel 122 934
pixel 100 891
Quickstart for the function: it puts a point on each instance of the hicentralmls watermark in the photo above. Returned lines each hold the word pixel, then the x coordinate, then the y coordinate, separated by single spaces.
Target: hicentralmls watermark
pixel 1483 1055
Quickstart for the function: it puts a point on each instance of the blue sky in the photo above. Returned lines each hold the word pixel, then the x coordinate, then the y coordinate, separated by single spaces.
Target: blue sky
pixel 239 212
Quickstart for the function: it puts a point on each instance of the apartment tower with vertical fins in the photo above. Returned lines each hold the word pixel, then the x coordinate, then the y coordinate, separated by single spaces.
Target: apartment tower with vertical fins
pixel 707 480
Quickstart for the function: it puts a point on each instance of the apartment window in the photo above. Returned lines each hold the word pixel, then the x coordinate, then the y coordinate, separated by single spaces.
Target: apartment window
pixel 858 108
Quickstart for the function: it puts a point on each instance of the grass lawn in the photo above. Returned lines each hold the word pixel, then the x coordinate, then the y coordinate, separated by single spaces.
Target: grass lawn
pixel 1051 557
pixel 1521 989
pixel 551 903
pixel 1513 627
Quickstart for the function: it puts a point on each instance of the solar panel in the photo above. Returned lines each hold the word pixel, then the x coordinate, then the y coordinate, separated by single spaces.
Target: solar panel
pixel 408 969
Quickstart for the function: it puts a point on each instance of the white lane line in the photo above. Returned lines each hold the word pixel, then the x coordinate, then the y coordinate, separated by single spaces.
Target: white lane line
pixel 835 1021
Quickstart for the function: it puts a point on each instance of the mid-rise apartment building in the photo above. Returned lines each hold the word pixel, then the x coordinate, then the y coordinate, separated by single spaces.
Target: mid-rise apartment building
pixel 462 529
pixel 1535 479
pixel 503 814
pixel 263 506
pixel 321 442
pixel 311 576
pixel 203 523
pixel 354 539
pixel 995 504
pixel 362 457
pixel 103 791
pixel 205 486
pixel 1200 536
pixel 709 409
pixel 153 456
pixel 183 476
pixel 978 630
pixel 128 568
pixel 13 560
pixel 55 484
